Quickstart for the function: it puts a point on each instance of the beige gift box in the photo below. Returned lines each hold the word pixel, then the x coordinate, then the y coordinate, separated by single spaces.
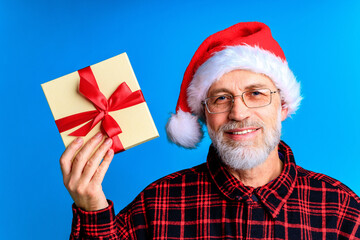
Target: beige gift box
pixel 64 100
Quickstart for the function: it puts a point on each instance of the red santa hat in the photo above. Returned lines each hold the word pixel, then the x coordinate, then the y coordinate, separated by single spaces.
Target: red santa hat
pixel 249 46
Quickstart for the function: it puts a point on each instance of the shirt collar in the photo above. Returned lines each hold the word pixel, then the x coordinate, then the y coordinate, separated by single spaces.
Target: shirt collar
pixel 272 195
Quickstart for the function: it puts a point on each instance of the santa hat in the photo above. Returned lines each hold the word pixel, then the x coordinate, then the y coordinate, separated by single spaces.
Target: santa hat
pixel 248 46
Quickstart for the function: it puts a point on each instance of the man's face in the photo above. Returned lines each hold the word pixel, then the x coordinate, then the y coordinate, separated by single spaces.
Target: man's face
pixel 244 137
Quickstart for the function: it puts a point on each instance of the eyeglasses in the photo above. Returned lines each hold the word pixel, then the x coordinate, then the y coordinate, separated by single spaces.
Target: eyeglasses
pixel 252 99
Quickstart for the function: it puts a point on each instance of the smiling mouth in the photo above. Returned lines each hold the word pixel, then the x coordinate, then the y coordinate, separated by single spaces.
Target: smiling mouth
pixel 243 132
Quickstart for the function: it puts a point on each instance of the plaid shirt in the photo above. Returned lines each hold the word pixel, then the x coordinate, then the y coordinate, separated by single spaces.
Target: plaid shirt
pixel 207 202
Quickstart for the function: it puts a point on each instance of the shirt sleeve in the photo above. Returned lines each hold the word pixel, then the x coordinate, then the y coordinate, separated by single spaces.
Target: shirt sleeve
pixel 94 225
pixel 349 218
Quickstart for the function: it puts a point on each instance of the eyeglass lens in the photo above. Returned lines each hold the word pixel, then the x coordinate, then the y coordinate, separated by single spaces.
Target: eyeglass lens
pixel 252 99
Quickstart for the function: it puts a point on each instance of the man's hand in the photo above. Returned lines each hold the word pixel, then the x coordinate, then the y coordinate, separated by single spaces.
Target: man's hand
pixel 83 173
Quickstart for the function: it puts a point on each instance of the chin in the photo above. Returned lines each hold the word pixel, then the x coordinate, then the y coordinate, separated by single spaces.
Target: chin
pixel 249 153
pixel 242 157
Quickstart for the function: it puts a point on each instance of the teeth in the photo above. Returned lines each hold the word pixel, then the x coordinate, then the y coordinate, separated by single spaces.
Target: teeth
pixel 244 132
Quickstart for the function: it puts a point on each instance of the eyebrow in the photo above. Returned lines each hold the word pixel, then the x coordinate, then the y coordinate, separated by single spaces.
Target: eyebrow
pixel 219 90
pixel 225 90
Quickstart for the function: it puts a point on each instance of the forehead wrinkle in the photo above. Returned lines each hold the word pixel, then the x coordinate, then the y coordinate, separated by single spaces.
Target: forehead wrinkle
pixel 256 86
pixel 240 80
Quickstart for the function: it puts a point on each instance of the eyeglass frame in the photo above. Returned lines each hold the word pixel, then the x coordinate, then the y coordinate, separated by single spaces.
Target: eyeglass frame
pixel 204 102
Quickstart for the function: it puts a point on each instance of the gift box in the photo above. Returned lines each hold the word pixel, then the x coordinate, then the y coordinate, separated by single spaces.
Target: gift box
pixel 102 97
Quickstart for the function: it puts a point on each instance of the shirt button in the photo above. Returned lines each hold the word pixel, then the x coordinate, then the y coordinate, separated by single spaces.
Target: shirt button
pixel 253 197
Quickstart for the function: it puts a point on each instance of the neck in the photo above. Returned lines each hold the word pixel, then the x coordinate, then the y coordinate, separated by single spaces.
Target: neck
pixel 262 174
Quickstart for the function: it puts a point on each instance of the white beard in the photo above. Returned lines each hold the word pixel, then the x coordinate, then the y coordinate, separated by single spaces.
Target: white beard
pixel 246 155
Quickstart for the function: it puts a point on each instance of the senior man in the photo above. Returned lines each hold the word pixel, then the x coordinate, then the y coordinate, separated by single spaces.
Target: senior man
pixel 239 84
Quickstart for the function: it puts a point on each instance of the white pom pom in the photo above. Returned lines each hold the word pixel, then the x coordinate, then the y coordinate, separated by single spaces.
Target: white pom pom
pixel 184 129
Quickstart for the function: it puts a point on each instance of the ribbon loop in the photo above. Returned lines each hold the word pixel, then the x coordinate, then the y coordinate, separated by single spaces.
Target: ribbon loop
pixel 122 98
pixel 89 89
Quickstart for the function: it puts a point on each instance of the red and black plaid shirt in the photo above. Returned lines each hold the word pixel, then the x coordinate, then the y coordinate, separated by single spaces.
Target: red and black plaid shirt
pixel 207 202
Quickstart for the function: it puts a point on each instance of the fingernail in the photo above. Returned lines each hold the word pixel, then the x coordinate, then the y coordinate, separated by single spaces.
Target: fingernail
pixel 108 141
pixel 98 135
pixel 110 152
pixel 78 140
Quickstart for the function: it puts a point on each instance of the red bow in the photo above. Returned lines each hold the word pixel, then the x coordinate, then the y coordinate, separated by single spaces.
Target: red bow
pixel 123 97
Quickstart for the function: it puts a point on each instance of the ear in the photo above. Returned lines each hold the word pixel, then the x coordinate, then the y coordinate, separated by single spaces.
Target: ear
pixel 284 113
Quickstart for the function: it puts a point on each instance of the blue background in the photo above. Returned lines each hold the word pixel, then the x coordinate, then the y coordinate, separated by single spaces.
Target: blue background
pixel 43 40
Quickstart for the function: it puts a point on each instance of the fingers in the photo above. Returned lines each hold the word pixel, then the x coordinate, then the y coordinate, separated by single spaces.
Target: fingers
pixel 84 155
pixel 93 163
pixel 83 173
pixel 68 155
pixel 102 169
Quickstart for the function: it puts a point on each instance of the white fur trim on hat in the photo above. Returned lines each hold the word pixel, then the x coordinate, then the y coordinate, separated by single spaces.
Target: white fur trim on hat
pixel 184 129
pixel 249 58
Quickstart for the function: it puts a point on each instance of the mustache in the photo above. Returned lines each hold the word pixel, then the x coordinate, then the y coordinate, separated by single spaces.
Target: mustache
pixel 243 124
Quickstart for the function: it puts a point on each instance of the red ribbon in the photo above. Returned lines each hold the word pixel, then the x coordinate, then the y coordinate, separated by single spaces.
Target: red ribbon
pixel 123 97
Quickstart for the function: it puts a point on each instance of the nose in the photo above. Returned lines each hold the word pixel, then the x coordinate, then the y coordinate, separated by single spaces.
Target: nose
pixel 239 110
